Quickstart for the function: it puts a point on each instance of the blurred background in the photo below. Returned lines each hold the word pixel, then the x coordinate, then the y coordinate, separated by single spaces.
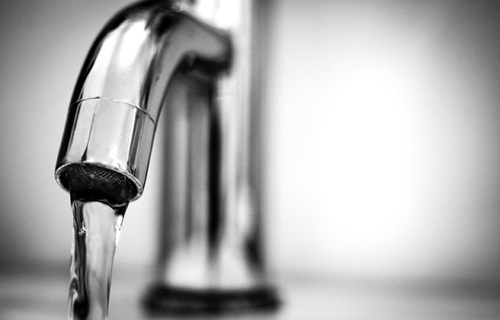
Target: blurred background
pixel 382 138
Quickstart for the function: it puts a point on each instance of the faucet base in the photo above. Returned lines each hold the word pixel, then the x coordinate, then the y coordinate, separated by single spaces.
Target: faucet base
pixel 163 299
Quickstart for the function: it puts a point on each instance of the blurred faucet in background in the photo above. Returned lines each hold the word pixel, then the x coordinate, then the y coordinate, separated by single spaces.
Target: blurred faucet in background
pixel 200 61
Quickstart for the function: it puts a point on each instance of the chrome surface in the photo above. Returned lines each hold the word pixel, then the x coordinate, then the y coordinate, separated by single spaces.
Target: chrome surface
pixel 124 82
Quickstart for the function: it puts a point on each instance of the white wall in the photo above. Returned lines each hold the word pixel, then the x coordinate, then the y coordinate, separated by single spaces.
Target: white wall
pixel 382 149
pixel 385 137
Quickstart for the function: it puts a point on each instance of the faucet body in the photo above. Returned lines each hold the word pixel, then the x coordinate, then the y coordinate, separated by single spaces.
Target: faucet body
pixel 156 55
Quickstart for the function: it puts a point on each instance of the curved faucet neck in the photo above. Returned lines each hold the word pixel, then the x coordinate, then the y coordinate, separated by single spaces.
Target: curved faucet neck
pixel 123 85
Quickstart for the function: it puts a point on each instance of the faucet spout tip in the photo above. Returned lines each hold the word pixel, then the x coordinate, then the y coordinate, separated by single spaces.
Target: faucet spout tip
pixel 96 183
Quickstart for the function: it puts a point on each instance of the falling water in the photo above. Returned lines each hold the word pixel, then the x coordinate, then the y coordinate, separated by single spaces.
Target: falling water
pixel 96 231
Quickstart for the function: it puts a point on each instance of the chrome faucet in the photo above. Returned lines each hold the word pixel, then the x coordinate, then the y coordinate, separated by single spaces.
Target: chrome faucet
pixel 158 55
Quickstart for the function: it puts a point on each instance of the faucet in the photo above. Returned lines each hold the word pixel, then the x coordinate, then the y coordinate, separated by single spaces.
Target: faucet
pixel 156 55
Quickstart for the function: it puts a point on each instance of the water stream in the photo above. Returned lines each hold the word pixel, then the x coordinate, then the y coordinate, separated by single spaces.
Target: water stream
pixel 96 231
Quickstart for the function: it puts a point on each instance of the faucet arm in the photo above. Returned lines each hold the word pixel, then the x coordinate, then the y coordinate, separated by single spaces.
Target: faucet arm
pixel 122 87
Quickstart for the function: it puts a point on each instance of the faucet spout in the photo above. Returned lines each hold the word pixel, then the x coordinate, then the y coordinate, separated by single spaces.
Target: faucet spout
pixel 126 79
